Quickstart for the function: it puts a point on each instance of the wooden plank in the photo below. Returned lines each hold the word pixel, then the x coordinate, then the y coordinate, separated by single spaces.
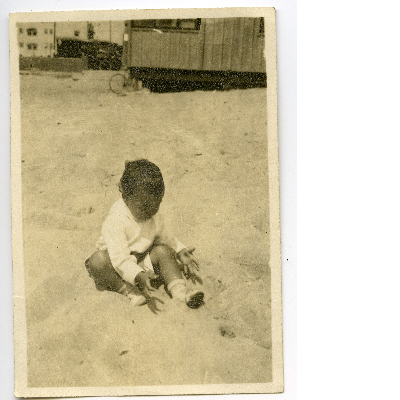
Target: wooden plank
pixel 164 50
pixel 217 44
pixel 258 47
pixel 135 50
pixel 227 48
pixel 262 61
pixel 259 57
pixel 194 51
pixel 156 49
pixel 150 50
pixel 247 45
pixel 188 47
pixel 140 40
pixel 178 51
pixel 145 49
pixel 208 42
pixel 184 50
pixel 175 54
pixel 237 44
pixel 253 63
pixel 170 50
pixel 202 40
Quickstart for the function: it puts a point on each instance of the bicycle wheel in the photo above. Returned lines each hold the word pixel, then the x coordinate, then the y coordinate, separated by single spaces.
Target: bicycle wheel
pixel 117 83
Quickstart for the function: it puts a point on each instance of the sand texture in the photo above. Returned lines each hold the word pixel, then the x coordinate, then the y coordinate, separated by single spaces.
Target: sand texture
pixel 211 147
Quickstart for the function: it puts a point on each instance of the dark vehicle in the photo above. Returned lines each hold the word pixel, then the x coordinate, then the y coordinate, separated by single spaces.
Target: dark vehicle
pixel 69 48
pixel 101 55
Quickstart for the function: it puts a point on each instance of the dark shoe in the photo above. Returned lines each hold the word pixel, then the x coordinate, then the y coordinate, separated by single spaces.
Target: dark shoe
pixel 195 300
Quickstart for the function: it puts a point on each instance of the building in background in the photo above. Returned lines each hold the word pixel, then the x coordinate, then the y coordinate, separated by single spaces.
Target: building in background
pixel 36 39
pixel 77 30
pixel 99 41
pixel 101 31
pixel 40 39
pixel 108 31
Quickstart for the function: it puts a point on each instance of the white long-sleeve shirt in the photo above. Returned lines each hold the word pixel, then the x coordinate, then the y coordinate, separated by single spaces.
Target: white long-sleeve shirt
pixel 121 235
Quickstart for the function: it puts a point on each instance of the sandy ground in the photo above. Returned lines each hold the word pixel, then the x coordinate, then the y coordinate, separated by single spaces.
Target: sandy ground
pixel 211 148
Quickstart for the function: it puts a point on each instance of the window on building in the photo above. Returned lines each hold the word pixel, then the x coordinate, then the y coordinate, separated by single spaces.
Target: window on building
pixel 165 23
pixel 51 30
pixel 170 24
pixel 21 45
pixel 21 30
pixel 32 31
pixel 32 46
pixel 76 33
pixel 191 24
pixel 46 30
pixel 143 23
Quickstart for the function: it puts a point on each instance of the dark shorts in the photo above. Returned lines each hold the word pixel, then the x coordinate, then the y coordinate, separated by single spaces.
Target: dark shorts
pixel 140 257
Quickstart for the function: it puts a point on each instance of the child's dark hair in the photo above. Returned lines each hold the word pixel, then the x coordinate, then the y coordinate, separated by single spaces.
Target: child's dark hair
pixel 142 176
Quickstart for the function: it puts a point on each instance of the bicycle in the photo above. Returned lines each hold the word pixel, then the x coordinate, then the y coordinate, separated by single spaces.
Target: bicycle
pixel 122 83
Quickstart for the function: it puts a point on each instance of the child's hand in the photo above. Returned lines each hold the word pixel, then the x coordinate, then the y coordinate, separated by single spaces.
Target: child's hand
pixel 143 280
pixel 189 261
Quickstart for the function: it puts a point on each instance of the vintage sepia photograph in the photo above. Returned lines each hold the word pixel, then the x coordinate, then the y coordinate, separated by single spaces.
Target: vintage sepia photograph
pixel 145 202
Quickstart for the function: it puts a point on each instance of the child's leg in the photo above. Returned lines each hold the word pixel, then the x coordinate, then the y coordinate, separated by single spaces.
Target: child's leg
pixel 101 270
pixel 104 275
pixel 164 260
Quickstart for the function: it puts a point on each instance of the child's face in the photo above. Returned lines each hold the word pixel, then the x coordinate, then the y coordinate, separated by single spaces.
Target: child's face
pixel 144 207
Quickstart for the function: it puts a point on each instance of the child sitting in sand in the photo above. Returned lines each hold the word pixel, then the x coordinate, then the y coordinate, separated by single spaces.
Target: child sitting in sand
pixel 134 250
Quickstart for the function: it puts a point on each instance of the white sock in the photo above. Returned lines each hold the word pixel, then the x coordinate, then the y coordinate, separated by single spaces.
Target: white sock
pixel 136 300
pixel 133 294
pixel 124 289
pixel 177 288
pixel 130 291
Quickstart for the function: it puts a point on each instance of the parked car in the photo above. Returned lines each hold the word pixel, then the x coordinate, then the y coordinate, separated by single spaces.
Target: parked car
pixel 101 55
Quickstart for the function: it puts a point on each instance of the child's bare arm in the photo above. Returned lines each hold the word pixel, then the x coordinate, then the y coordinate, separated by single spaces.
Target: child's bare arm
pixel 189 261
pixel 143 280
